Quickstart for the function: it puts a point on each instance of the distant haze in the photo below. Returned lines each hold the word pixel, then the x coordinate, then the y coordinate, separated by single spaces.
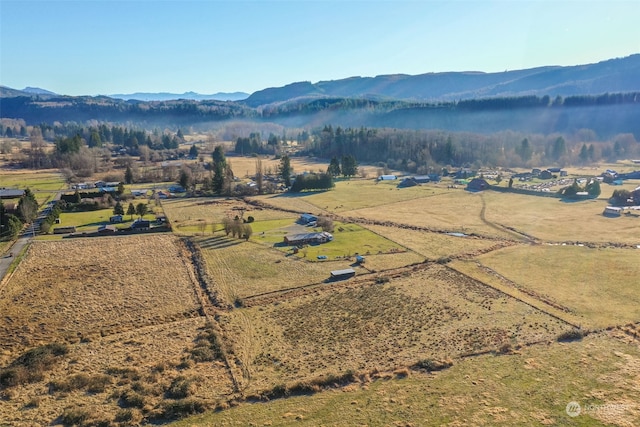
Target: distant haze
pixel 164 96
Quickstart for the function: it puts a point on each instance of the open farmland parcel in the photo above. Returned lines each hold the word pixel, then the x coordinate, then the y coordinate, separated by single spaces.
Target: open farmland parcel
pixel 123 320
pixel 555 220
pixel 599 286
pixel 453 210
pixel 423 312
pixel 530 387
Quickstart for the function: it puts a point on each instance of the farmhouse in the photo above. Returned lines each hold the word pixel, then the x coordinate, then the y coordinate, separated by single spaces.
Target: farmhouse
pixel 343 274
pixel 478 184
pixel 141 224
pixel 545 174
pixel 307 238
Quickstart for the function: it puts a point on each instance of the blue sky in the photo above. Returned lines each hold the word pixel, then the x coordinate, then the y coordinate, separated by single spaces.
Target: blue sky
pixel 95 47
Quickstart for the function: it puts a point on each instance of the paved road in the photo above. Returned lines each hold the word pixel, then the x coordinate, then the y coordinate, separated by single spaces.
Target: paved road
pixel 16 248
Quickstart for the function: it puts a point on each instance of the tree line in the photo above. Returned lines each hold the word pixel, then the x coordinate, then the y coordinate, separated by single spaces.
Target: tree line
pixel 419 151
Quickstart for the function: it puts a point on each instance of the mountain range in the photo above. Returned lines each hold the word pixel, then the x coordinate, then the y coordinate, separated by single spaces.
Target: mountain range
pixel 603 97
pixel 610 76
pixel 165 96
pixel 614 75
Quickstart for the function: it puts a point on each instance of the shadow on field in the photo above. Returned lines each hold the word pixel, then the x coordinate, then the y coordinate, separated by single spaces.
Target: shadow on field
pixel 301 194
pixel 218 242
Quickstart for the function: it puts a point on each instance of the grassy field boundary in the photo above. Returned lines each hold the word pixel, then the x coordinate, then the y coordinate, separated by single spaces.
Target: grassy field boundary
pixel 208 305
pixel 477 272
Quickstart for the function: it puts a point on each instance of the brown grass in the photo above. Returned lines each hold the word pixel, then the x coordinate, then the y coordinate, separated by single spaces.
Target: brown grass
pixel 61 288
pixel 241 269
pixel 599 286
pixel 434 245
pixel 430 313
pixel 448 210
pixel 126 306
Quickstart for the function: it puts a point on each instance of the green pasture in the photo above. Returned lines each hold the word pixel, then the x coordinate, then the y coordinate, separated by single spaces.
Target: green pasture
pixel 89 221
pixel 43 184
pixel 600 286
pixel 348 239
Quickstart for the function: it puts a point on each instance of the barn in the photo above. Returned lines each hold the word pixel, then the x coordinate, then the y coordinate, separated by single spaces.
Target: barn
pixel 478 184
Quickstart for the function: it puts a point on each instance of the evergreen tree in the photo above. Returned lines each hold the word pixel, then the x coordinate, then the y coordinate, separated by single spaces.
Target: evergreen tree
pixel 94 140
pixel 128 175
pixel 219 166
pixel 131 210
pixel 285 170
pixel 334 167
pixel 349 166
pixel 27 207
pixel 559 148
pixel 593 188
pixel 185 178
pixel 525 152
pixel 118 209
pixel 141 209
pixel 584 154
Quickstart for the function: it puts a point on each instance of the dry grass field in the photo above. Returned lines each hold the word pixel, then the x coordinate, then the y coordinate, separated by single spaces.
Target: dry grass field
pixel 424 313
pixel 454 210
pixel 435 245
pixel 188 215
pixel 600 286
pixel 122 318
pixel 531 387
pixel 62 297
pixel 553 220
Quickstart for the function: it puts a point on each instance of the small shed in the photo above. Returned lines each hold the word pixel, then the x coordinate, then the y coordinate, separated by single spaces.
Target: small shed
pixel 343 274
pixel 387 177
pixel 115 219
pixel 306 218
pixel 107 229
pixel 612 211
